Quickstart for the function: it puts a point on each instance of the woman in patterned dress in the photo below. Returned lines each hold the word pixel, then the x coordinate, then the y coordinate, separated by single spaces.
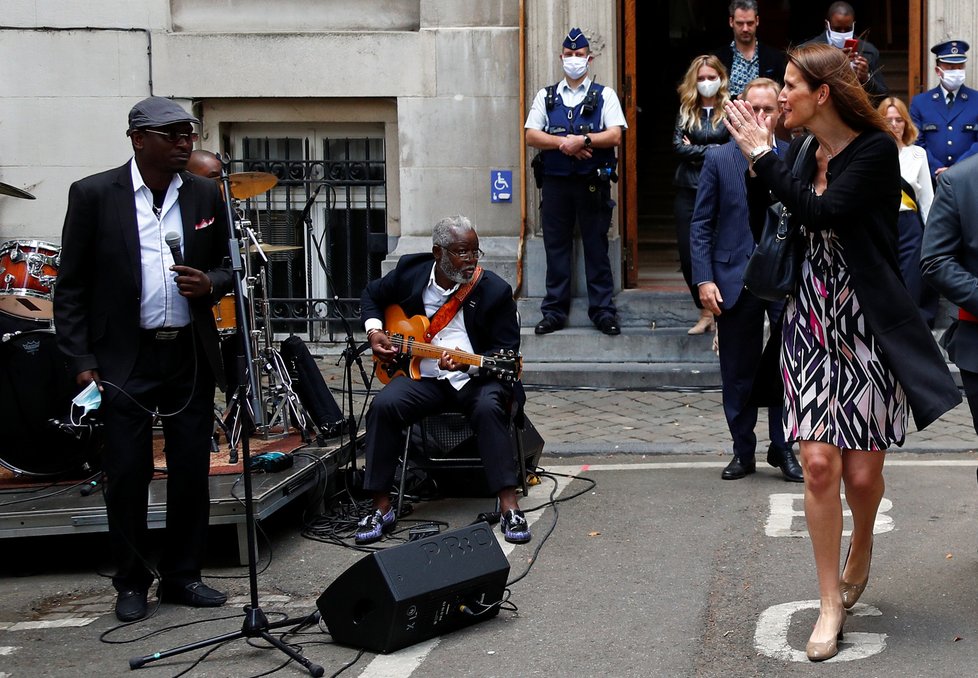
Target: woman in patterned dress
pixel 853 353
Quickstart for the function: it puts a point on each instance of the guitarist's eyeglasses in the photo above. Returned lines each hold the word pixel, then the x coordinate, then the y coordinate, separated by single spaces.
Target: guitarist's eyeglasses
pixel 465 254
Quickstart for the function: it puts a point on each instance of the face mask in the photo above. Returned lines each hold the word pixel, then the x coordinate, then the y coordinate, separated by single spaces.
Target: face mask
pixel 839 39
pixel 708 88
pixel 575 67
pixel 89 399
pixel 952 80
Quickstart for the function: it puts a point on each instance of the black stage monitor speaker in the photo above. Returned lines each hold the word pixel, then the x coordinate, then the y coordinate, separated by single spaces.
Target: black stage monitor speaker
pixel 403 595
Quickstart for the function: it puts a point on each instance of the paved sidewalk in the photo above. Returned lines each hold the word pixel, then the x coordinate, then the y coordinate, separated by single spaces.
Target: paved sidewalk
pixel 575 421
pixel 588 421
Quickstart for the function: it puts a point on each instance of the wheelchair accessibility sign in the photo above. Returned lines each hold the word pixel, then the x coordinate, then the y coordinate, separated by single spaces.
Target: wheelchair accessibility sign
pixel 501 185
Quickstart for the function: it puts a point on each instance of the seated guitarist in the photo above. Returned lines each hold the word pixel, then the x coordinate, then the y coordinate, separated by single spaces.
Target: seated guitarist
pixel 486 321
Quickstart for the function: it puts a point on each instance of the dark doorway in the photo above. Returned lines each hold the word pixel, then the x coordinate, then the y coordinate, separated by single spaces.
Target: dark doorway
pixel 675 32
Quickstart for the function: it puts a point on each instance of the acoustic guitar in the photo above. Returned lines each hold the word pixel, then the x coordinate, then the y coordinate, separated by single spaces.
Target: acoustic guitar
pixel 406 335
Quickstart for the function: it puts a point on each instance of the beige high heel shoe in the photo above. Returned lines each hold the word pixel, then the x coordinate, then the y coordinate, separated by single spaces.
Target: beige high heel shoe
pixel 851 591
pixel 819 652
pixel 704 324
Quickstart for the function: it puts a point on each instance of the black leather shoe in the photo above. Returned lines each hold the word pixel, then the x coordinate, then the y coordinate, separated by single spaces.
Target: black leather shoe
pixel 548 324
pixel 194 594
pixel 786 461
pixel 130 606
pixel 736 469
pixel 609 326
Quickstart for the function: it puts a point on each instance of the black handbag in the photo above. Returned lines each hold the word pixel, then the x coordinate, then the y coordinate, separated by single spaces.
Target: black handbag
pixel 774 267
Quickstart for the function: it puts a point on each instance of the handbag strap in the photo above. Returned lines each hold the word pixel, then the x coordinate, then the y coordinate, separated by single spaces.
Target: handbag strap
pixel 800 158
pixel 784 223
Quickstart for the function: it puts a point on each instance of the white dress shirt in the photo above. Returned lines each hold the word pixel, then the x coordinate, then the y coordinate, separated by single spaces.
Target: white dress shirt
pixel 611 113
pixel 160 304
pixel 452 336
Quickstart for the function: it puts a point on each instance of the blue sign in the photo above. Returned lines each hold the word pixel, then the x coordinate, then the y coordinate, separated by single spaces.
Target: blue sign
pixel 501 185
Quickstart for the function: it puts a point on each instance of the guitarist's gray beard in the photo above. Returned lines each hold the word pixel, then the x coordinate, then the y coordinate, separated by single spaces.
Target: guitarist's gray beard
pixel 453 273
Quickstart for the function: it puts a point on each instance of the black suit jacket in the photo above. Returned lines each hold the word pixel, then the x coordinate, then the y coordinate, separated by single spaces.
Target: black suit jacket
pixel 770 61
pixel 949 256
pixel 97 298
pixel 489 312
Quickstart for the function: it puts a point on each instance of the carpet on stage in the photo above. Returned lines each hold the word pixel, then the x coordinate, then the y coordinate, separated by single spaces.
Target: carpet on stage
pixel 219 462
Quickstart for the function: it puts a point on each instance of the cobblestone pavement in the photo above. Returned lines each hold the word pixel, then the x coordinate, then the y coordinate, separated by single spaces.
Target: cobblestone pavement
pixel 596 421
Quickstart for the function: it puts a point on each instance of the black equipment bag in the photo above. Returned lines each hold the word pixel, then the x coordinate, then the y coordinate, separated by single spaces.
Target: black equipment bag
pixel 774 268
pixel 309 385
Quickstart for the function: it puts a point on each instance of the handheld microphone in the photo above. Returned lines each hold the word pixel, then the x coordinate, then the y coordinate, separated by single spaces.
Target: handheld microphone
pixel 173 242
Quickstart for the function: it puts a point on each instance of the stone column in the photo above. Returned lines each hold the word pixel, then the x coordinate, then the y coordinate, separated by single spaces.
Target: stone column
pixel 948 20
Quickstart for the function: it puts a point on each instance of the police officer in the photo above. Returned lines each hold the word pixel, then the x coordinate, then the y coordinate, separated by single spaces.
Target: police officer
pixel 577 125
pixel 947 116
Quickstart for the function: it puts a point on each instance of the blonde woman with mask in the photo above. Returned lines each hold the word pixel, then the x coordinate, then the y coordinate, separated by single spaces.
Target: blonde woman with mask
pixel 699 125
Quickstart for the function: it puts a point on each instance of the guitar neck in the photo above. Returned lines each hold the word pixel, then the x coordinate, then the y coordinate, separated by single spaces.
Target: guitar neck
pixel 422 350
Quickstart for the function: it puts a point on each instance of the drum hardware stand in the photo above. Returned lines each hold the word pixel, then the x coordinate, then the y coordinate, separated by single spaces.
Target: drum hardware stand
pixel 351 354
pixel 255 623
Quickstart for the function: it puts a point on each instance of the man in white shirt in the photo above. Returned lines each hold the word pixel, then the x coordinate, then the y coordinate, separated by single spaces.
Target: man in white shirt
pixel 471 310
pixel 137 322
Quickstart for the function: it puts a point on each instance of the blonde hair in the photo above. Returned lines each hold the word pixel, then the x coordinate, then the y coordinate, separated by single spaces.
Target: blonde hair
pixel 909 129
pixel 689 97
pixel 761 82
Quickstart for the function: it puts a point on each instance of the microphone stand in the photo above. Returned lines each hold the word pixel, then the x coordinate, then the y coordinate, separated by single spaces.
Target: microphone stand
pixel 352 352
pixel 255 624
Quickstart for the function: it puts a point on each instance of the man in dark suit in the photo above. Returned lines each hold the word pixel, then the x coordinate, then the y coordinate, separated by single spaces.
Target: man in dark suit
pixel 840 26
pixel 424 284
pixel 949 262
pixel 746 58
pixel 721 242
pixel 141 328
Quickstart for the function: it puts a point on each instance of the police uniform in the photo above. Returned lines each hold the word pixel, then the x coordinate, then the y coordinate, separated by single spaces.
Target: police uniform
pixel 577 191
pixel 948 133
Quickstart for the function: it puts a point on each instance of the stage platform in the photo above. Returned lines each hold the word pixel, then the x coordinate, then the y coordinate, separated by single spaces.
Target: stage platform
pixel 39 508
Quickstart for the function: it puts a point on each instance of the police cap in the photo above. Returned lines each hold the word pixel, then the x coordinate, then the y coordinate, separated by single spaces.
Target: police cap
pixel 575 39
pixel 951 52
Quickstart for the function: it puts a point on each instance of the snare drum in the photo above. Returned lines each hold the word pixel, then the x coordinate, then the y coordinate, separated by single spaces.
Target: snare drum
pixel 226 315
pixel 28 271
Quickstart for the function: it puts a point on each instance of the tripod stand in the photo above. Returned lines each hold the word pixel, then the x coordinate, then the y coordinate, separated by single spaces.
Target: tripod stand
pixel 255 623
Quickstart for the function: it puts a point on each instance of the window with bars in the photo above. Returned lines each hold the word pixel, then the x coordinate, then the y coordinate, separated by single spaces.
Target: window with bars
pixel 323 225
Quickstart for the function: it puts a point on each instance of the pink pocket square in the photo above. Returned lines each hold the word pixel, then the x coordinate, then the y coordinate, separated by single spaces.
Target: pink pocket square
pixel 204 223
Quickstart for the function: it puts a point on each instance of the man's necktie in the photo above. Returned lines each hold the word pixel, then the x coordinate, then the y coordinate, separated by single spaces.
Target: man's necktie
pixel 950 99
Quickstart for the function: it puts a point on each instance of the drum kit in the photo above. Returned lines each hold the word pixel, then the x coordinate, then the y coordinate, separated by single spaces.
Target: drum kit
pixel 280 402
pixel 37 383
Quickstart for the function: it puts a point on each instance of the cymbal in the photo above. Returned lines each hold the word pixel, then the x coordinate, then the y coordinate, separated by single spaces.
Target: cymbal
pixel 246 185
pixel 269 249
pixel 7 189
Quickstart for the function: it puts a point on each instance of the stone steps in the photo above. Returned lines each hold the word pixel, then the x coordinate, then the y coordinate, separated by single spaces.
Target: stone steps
pixel 652 351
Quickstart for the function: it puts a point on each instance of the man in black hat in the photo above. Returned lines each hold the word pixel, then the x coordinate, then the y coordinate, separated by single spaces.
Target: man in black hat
pixel 135 319
pixel 577 124
pixel 947 116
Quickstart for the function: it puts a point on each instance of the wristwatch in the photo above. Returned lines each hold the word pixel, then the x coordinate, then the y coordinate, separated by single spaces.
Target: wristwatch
pixel 587 141
pixel 757 152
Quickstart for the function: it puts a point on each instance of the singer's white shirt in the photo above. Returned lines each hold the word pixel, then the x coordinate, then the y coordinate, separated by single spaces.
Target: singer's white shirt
pixel 160 303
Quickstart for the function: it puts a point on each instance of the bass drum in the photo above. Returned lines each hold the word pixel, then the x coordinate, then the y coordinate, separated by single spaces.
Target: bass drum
pixel 36 388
